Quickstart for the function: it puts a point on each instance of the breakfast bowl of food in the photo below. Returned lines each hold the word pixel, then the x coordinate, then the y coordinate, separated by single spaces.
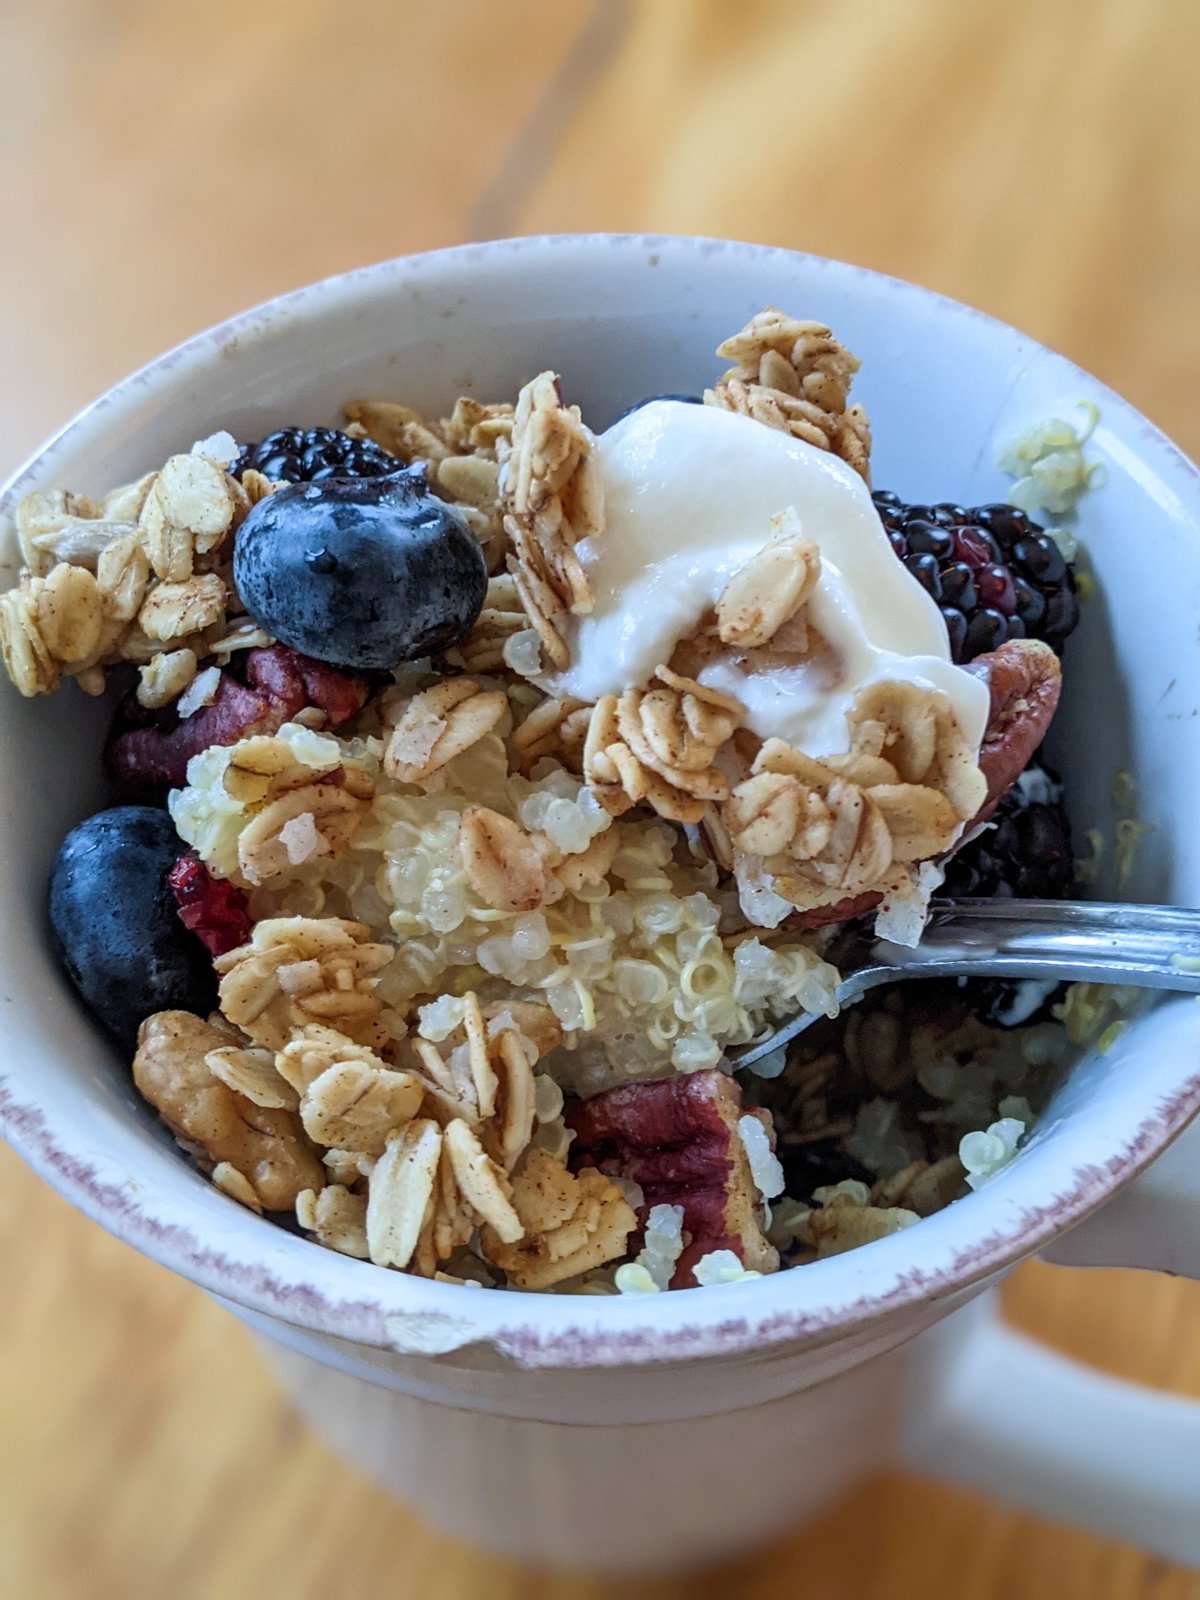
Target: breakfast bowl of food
pixel 507 684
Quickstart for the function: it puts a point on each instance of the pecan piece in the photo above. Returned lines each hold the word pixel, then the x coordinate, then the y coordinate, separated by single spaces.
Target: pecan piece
pixel 267 1146
pixel 144 760
pixel 1024 678
pixel 679 1140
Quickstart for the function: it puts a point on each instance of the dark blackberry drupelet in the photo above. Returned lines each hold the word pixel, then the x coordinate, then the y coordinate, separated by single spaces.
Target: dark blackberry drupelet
pixel 307 455
pixel 1027 853
pixel 995 574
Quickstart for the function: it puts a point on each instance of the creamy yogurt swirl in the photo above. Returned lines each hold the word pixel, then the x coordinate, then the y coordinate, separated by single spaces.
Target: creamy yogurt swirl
pixel 690 493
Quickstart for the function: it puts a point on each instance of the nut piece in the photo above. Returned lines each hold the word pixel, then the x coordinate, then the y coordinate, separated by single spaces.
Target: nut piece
pixel 771 588
pixel 298 970
pixel 400 1193
pixel 1025 679
pixel 267 1146
pixel 568 1224
pixel 437 725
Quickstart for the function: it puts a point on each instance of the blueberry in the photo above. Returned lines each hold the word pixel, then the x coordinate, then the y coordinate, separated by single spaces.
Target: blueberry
pixel 885 497
pixel 114 925
pixel 363 573
pixel 684 399
pixel 820 1163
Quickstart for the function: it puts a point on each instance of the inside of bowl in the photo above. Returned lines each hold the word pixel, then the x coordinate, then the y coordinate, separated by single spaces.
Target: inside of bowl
pixel 620 320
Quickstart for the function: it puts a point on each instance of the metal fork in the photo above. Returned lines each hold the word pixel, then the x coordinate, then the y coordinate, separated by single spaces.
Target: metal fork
pixel 1147 947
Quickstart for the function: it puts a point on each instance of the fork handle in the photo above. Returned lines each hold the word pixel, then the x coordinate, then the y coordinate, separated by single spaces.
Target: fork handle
pixel 1156 947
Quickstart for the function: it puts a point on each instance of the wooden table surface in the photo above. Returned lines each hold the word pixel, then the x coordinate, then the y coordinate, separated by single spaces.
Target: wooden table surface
pixel 165 165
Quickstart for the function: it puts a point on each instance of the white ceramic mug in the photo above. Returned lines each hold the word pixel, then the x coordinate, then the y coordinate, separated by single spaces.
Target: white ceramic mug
pixel 629 1433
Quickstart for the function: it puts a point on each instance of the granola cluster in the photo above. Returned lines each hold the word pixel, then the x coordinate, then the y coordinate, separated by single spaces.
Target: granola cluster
pixel 140 576
pixel 481 945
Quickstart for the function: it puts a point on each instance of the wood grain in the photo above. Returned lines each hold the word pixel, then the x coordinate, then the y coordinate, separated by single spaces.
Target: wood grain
pixel 163 166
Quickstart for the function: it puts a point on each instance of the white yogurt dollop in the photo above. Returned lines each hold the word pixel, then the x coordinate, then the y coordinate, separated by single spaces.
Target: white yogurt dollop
pixel 690 492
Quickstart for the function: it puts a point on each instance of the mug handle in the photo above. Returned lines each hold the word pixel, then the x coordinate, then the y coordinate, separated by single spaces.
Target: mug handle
pixel 991 1409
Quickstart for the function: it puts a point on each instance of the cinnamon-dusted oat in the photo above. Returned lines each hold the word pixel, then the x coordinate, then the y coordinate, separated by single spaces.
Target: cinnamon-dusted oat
pixel 317 819
pixel 336 1218
pixel 400 1192
pixel 172 611
pixel 189 508
pixel 552 499
pixel 796 377
pixel 298 970
pixel 507 867
pixel 771 588
pixel 570 1224
pixel 349 1098
pixel 658 746
pixel 437 725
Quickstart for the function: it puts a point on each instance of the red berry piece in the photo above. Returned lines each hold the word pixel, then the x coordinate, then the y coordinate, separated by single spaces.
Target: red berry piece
pixel 995 587
pixel 971 546
pixel 214 909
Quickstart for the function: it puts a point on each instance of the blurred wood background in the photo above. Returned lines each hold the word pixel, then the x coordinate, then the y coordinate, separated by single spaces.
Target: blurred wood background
pixel 165 165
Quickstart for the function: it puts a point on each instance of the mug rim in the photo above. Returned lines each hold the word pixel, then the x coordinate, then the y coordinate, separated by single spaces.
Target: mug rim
pixel 285 1277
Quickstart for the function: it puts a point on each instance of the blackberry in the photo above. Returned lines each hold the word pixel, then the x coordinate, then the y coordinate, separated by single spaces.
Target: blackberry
pixel 995 574
pixel 1027 854
pixel 306 455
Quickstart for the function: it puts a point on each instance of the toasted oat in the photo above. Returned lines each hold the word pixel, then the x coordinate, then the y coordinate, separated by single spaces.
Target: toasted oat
pixel 771 588
pixel 659 745
pixel 69 616
pixel 356 1105
pixel 317 819
pixel 794 376
pixel 27 657
pixel 252 1073
pixel 338 966
pixel 482 1182
pixel 552 499
pixel 188 509
pixel 337 1218
pixel 268 1146
pixel 165 677
pixel 230 1181
pixel 122 573
pixel 439 724
pixel 400 1192
pixel 172 611
pixel 569 1224
pixel 507 867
